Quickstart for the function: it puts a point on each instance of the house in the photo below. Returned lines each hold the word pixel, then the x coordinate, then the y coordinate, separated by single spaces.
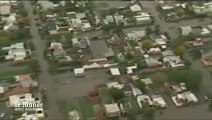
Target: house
pixel 207 58
pixel 51 25
pixel 115 72
pixel 153 51
pixel 147 81
pixel 109 19
pixel 160 40
pixel 144 101
pixel 135 8
pixel 81 43
pixel 136 92
pixel 115 85
pixel 26 81
pixel 167 7
pixel 21 98
pixel 119 19
pixel 186 30
pixel 153 62
pixel 45 5
pixel 3 88
pixel 143 18
pixel 59 53
pixel 179 100
pixel 74 115
pixel 79 72
pixel 112 110
pixel 136 35
pixel 209 27
pixel 131 69
pixel 5 8
pixel 184 98
pixel 16 52
pixel 206 8
pixel 158 101
pixel 171 60
pixel 29 116
pixel 190 97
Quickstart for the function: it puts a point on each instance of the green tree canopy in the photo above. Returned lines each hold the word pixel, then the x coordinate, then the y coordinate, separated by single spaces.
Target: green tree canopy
pixel 190 77
pixel 141 85
pixel 159 78
pixel 148 30
pixel 147 43
pixel 148 112
pixel 116 93
pixel 180 50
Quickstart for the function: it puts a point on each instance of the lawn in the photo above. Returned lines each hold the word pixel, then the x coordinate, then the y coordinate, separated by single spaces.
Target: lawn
pixel 60 36
pixel 13 73
pixel 135 109
pixel 86 107
pixel 105 96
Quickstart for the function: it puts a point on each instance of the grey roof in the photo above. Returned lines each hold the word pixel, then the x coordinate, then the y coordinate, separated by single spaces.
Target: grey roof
pixel 51 24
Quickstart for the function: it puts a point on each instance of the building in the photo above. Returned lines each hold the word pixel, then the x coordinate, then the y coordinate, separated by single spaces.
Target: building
pixel 143 18
pixel 115 85
pixel 136 35
pixel 153 62
pixel 26 81
pixel 147 81
pixel 144 101
pixel 171 60
pixel 5 9
pixel 74 115
pixel 79 72
pixel 206 8
pixel 158 101
pixel 135 8
pixel 16 52
pixel 136 92
pixel 119 19
pixel 186 30
pixel 207 58
pixel 131 69
pixel 115 72
pixel 112 110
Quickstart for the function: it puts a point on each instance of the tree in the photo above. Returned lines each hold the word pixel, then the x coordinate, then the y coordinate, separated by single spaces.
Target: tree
pixel 159 78
pixel 22 33
pixel 141 85
pixel 191 78
pixel 157 29
pixel 180 50
pixel 112 11
pixel 179 11
pixel 148 30
pixel 148 112
pixel 147 43
pixel 196 54
pixel 34 66
pixel 116 93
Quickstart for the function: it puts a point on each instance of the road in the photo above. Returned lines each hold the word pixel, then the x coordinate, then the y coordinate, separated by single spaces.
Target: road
pixel 45 78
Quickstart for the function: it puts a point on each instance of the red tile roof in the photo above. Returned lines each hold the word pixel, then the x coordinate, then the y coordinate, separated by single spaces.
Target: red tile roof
pixel 16 91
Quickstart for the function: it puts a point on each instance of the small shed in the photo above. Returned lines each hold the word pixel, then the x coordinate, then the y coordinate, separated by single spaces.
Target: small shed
pixel 115 71
pixel 79 72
